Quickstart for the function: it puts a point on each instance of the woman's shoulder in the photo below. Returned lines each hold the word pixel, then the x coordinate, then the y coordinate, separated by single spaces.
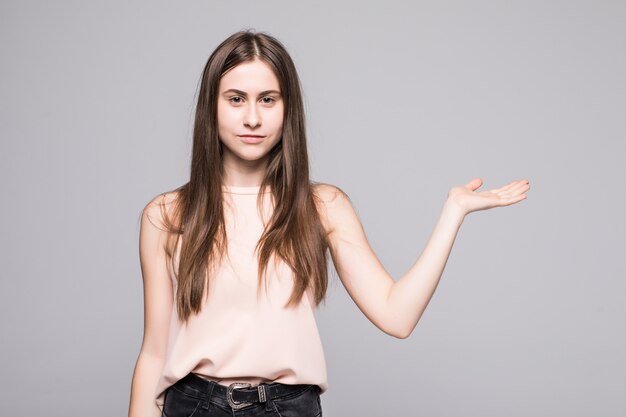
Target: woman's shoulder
pixel 160 207
pixel 331 202
pixel 327 192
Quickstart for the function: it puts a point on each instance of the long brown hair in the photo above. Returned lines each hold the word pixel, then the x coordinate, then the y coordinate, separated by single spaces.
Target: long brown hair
pixel 294 233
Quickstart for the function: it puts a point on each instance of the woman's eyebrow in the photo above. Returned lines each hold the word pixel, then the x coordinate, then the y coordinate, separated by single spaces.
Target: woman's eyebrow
pixel 243 93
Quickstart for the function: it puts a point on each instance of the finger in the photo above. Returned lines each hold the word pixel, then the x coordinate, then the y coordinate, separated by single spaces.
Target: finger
pixel 511 187
pixel 503 188
pixel 522 187
pixel 474 184
pixel 519 188
pixel 507 201
pixel 511 191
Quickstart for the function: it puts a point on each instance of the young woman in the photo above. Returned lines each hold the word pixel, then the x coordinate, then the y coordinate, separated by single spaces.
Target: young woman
pixel 234 262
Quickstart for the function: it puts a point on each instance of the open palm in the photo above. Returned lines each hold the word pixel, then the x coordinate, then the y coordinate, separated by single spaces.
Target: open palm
pixel 469 200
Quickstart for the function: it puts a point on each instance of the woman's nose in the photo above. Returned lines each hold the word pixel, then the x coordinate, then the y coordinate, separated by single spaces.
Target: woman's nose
pixel 252 117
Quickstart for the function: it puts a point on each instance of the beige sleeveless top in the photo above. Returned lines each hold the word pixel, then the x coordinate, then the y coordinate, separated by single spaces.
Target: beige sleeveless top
pixel 238 337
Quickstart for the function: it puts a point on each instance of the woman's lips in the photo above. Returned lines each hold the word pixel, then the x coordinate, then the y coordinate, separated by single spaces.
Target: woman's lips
pixel 251 138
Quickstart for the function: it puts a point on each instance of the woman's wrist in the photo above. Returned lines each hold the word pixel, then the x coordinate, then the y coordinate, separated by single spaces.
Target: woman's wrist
pixel 453 210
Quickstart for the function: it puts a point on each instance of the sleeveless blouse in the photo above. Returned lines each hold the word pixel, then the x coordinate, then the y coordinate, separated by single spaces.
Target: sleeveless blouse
pixel 239 336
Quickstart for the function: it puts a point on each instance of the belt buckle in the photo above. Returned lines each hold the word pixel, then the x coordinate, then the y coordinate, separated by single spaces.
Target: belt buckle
pixel 229 395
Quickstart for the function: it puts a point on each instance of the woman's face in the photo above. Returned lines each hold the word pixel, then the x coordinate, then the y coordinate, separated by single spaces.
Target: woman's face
pixel 249 112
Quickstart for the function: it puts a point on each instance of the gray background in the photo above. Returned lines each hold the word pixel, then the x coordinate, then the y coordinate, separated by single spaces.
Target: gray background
pixel 404 100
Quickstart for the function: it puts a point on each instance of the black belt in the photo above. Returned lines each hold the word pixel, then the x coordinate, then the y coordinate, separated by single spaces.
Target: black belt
pixel 240 394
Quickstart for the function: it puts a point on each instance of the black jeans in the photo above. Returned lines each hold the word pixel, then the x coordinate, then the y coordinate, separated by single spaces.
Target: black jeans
pixel 193 396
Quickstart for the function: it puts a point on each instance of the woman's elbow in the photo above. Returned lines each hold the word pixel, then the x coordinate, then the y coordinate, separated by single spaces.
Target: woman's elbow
pixel 402 334
pixel 398 332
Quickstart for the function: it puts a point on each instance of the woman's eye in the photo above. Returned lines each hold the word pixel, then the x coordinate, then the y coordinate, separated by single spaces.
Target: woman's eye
pixel 239 100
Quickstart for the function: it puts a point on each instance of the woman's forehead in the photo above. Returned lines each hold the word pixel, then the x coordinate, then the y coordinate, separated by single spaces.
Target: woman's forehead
pixel 250 77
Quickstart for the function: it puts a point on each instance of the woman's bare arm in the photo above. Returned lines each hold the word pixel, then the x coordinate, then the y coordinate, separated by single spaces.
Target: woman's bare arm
pixel 158 301
pixel 395 307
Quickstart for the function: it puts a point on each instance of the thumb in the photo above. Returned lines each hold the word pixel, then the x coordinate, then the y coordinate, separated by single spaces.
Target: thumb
pixel 474 184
